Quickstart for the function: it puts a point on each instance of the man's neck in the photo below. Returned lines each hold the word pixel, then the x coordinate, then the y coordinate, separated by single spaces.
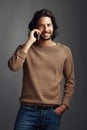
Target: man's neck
pixel 46 43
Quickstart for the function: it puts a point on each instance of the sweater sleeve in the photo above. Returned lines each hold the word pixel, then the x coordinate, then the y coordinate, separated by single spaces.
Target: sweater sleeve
pixel 68 71
pixel 16 61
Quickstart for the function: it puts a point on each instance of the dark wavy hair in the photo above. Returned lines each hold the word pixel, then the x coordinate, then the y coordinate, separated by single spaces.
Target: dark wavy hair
pixel 43 13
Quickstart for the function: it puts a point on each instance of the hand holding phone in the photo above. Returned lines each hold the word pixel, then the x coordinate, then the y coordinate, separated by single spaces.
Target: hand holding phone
pixel 34 35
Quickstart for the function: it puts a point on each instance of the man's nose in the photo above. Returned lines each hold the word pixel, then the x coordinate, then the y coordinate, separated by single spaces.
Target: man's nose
pixel 45 28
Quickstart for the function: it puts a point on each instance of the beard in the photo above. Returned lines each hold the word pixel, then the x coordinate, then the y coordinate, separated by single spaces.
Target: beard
pixel 46 36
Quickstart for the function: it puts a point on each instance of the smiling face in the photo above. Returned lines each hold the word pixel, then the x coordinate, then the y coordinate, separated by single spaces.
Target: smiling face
pixel 46 27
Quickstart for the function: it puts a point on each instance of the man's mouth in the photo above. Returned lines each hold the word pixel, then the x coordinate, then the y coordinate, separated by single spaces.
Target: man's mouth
pixel 45 33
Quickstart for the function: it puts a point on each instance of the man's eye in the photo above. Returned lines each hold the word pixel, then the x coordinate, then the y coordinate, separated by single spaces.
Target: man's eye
pixel 49 25
pixel 40 26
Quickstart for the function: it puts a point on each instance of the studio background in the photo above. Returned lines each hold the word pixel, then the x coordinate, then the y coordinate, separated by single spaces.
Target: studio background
pixel 71 16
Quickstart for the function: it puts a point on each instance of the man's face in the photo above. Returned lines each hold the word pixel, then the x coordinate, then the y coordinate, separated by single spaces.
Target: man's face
pixel 46 27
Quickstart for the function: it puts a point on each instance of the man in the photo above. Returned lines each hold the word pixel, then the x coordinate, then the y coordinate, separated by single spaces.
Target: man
pixel 44 65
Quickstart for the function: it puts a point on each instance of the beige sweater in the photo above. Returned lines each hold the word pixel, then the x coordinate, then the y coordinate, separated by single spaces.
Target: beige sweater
pixel 43 71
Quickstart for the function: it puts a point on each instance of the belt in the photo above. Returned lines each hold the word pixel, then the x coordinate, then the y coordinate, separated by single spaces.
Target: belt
pixel 42 107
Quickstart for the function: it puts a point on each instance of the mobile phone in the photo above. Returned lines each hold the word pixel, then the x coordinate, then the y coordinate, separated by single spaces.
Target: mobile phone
pixel 36 35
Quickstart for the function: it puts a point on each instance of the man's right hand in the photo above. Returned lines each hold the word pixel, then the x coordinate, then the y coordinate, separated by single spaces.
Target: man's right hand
pixel 31 39
pixel 32 36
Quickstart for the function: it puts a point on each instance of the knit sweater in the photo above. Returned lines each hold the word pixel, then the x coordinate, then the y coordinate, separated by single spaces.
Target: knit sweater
pixel 44 68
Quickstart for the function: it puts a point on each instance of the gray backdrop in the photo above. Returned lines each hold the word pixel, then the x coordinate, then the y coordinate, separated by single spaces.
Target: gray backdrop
pixel 14 18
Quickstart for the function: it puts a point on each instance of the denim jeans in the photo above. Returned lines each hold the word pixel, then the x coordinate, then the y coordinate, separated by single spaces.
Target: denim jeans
pixel 34 118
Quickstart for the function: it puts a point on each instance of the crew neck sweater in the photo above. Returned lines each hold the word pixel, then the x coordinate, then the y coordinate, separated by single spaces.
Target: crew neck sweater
pixel 44 69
